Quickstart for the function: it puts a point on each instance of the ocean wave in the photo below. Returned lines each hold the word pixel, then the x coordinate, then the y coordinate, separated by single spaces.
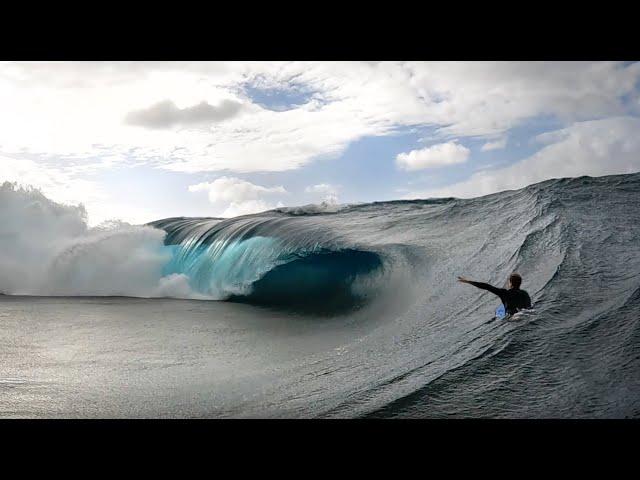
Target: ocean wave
pixel 417 342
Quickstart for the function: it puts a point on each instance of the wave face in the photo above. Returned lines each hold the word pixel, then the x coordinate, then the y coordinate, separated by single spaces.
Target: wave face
pixel 426 345
pixel 437 351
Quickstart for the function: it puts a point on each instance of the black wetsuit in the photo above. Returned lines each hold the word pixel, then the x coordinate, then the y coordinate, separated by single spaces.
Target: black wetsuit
pixel 513 299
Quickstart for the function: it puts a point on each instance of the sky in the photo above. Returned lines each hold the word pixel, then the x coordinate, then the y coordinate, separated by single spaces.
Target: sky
pixel 140 141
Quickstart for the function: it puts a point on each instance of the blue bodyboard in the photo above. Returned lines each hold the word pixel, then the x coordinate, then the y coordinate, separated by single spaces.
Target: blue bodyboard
pixel 501 312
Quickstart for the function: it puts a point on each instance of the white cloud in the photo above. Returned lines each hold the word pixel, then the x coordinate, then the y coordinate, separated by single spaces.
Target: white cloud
pixel 594 148
pixel 495 145
pixel 230 189
pixel 236 209
pixel 322 188
pixel 488 98
pixel 439 155
pixel 62 109
pixel 241 196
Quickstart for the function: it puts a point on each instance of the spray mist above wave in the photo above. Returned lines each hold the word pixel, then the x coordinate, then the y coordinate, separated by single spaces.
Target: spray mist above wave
pixel 323 207
pixel 48 249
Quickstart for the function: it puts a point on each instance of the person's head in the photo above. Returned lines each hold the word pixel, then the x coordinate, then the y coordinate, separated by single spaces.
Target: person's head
pixel 515 280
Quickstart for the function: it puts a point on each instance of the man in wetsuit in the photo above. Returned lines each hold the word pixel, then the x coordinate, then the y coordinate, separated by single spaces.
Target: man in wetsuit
pixel 513 298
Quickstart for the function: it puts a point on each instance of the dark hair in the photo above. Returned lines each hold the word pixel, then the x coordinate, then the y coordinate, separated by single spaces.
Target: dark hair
pixel 516 280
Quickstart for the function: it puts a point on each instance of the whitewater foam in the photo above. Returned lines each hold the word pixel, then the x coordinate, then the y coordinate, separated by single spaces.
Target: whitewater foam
pixel 47 249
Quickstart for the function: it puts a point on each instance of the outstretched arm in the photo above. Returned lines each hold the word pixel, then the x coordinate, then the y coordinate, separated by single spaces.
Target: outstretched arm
pixel 528 304
pixel 483 286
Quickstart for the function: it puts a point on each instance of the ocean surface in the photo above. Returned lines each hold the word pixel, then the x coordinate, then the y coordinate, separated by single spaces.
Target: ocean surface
pixel 327 311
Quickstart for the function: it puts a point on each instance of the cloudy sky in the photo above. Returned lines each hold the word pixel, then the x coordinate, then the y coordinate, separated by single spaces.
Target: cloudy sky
pixel 139 141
